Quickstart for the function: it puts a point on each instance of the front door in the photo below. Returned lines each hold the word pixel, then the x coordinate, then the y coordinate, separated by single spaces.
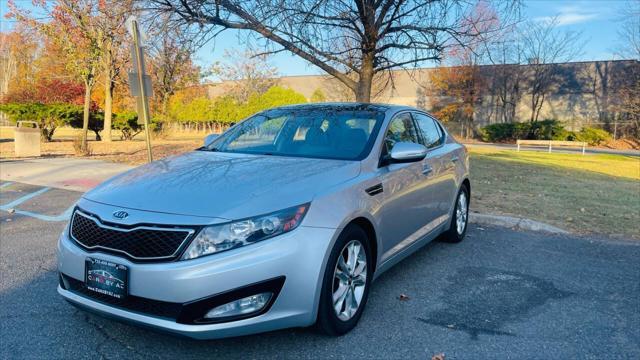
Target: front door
pixel 408 206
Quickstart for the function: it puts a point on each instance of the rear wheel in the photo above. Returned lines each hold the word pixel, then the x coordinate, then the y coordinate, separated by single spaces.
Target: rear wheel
pixel 345 287
pixel 458 228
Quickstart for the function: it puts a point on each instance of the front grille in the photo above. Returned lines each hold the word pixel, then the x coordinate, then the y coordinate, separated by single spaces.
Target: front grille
pixel 137 242
pixel 140 305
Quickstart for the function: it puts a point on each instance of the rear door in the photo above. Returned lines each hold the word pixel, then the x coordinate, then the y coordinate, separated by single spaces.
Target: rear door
pixel 441 160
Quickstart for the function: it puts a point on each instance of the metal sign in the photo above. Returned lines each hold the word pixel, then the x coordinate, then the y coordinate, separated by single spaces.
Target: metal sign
pixel 141 108
pixel 139 81
pixel 134 50
pixel 134 85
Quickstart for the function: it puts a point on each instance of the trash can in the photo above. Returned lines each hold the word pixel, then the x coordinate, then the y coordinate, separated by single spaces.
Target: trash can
pixel 26 139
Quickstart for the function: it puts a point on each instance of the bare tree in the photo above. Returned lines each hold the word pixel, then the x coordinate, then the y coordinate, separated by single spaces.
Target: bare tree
pixel 245 73
pixel 352 41
pixel 505 77
pixel 629 47
pixel 544 46
pixel 629 32
pixel 170 63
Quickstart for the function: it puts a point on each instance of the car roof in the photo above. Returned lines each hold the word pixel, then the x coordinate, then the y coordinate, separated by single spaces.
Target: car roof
pixel 347 106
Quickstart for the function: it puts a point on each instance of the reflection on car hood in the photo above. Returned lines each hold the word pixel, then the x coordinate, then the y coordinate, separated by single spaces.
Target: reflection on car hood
pixel 223 185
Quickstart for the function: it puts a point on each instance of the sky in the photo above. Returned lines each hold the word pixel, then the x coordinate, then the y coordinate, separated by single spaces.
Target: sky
pixel 598 20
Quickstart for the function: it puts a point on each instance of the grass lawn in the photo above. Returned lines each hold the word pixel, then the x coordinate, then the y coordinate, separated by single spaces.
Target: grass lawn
pixel 581 193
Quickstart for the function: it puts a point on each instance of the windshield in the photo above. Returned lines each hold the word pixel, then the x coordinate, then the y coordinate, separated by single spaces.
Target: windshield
pixel 327 133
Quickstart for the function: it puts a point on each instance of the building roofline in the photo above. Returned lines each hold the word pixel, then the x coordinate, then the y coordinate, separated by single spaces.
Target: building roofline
pixel 432 68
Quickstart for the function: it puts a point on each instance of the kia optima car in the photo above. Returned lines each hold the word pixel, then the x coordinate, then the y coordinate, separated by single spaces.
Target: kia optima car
pixel 285 220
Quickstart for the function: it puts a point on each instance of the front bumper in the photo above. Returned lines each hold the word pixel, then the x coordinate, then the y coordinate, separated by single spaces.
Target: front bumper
pixel 298 256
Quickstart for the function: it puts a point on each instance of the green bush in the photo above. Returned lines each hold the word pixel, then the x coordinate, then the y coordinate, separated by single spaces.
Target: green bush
pixel 538 130
pixel 274 97
pixel 96 122
pixel 127 123
pixel 227 110
pixel 547 130
pixel 541 130
pixel 318 96
pixel 504 132
pixel 593 136
pixel 49 117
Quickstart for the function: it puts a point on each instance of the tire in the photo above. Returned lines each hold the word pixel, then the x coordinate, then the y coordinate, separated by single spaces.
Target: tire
pixel 329 321
pixel 454 234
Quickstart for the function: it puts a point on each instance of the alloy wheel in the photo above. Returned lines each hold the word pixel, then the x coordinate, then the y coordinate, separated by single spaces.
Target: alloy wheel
pixel 462 213
pixel 349 280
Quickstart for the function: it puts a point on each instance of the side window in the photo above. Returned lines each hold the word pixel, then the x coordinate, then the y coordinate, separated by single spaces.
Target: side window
pixel 401 129
pixel 430 132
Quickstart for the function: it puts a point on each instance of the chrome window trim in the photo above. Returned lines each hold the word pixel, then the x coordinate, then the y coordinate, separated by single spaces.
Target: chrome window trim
pixel 445 134
pixel 98 222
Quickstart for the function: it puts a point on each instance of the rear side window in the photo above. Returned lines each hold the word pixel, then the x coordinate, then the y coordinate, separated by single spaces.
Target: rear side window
pixel 430 133
pixel 401 129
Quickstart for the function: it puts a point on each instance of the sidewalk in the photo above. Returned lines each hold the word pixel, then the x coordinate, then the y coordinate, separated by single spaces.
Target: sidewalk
pixel 63 173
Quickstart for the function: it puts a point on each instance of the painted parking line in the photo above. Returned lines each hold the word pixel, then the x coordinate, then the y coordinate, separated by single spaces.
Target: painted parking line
pixel 11 207
pixel 66 215
pixel 20 200
pixel 5 185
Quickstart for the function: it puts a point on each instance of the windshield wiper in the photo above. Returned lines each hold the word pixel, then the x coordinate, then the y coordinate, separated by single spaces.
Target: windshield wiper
pixel 204 148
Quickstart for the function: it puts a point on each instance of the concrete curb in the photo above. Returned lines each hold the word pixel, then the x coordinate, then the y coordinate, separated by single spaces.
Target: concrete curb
pixel 514 223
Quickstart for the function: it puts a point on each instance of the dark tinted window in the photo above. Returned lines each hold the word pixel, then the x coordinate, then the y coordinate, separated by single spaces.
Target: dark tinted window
pixel 430 131
pixel 401 129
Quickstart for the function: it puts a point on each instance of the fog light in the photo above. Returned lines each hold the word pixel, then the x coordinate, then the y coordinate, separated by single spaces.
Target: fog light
pixel 243 306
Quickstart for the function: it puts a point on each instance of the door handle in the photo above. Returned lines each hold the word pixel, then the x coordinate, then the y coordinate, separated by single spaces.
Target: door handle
pixel 426 170
pixel 455 158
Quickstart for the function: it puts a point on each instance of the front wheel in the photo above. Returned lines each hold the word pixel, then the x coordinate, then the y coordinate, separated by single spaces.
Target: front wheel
pixel 346 283
pixel 458 228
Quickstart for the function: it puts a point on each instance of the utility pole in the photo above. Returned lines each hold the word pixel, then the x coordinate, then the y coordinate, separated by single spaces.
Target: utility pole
pixel 140 82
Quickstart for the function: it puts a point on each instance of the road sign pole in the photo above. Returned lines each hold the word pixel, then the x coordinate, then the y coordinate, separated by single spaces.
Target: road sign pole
pixel 143 95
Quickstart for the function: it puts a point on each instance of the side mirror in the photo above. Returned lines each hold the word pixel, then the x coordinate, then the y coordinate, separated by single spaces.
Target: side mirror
pixel 209 139
pixel 403 152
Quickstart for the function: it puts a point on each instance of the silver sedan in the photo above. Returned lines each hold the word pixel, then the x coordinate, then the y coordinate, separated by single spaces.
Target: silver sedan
pixel 285 220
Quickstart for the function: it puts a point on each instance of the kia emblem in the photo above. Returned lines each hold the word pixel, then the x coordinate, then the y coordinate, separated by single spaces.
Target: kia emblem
pixel 120 214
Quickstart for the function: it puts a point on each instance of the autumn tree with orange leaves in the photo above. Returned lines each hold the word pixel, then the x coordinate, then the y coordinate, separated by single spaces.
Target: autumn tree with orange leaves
pixel 72 27
pixel 90 35
pixel 455 93
pixel 456 89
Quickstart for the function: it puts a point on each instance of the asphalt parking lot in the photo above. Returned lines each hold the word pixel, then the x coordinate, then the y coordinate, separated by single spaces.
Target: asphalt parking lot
pixel 498 294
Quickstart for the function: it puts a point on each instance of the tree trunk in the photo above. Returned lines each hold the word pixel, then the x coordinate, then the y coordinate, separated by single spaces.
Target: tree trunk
pixel 85 115
pixel 534 105
pixel 363 90
pixel 539 108
pixel 165 105
pixel 108 97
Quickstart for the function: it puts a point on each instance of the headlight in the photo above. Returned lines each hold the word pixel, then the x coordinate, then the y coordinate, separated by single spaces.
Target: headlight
pixel 216 238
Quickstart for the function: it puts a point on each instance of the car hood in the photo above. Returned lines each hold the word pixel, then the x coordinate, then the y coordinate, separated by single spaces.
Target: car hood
pixel 222 185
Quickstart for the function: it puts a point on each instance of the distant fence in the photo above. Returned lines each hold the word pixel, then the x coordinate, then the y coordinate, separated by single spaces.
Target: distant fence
pixel 551 143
